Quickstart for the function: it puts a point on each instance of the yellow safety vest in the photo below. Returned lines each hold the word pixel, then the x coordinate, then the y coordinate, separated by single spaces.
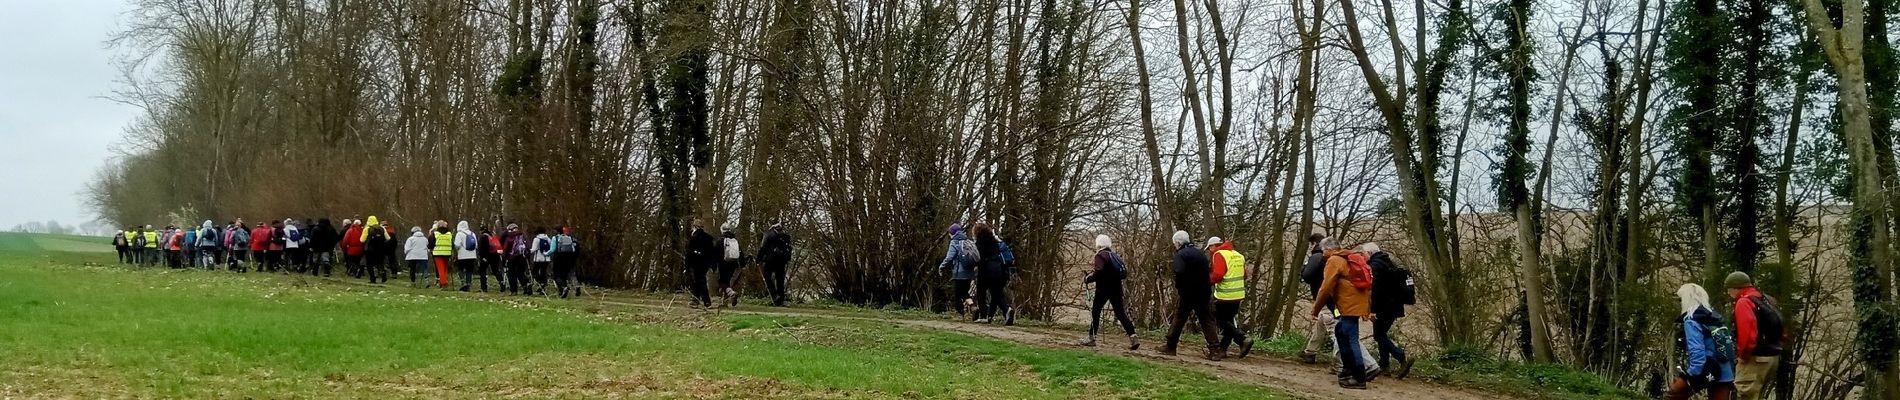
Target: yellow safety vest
pixel 151 240
pixel 444 244
pixel 1232 286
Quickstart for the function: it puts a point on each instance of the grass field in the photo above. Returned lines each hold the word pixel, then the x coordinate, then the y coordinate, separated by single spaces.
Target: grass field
pixel 77 326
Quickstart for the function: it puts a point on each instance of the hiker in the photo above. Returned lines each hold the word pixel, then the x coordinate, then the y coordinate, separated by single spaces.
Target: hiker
pixel 729 263
pixel 121 244
pixel 279 258
pixel 188 247
pixel 1346 288
pixel 149 238
pixel 961 260
pixel 702 254
pixel 490 250
pixel 517 263
pixel 165 248
pixel 237 242
pixel 415 253
pixel 992 276
pixel 260 246
pixel 465 255
pixel 1107 275
pixel 775 252
pixel 295 240
pixel 1192 293
pixel 1707 347
pixel 1230 288
pixel 542 252
pixel 566 252
pixel 442 251
pixel 378 247
pixel 353 248
pixel 1391 292
pixel 1758 332
pixel 207 245
pixel 323 241
pixel 175 247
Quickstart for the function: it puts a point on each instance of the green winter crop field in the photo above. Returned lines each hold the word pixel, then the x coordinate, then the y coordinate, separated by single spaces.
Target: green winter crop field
pixel 75 325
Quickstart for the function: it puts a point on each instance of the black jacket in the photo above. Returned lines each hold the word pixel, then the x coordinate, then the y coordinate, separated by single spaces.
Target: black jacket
pixel 702 251
pixel 776 248
pixel 324 237
pixel 1386 301
pixel 1192 269
pixel 1313 272
pixel 991 265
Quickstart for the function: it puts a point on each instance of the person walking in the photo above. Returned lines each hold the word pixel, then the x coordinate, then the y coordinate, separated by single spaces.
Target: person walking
pixel 1758 334
pixel 1705 367
pixel 775 253
pixel 415 253
pixel 207 245
pixel 188 248
pixel 150 239
pixel 378 247
pixel 518 256
pixel 992 277
pixel 961 260
pixel 1107 275
pixel 542 253
pixel 1230 288
pixel 466 252
pixel 702 255
pixel 323 242
pixel 122 245
pixel 442 251
pixel 566 253
pixel 729 263
pixel 491 259
pixel 237 243
pixel 352 246
pixel 175 247
pixel 1347 289
pixel 1193 291
pixel 295 240
pixel 1391 292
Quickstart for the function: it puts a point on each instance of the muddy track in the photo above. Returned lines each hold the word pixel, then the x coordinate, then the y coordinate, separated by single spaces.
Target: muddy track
pixel 1306 381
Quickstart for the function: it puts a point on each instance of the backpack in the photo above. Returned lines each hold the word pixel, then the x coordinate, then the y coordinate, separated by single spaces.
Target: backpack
pixel 118 239
pixel 1116 266
pixel 542 243
pixel 469 243
pixel 1722 343
pixel 1405 292
pixel 732 249
pixel 1768 323
pixel 138 240
pixel 520 246
pixel 1359 273
pixel 377 234
pixel 494 242
pixel 295 235
pixel 1003 252
pixel 564 244
pixel 966 250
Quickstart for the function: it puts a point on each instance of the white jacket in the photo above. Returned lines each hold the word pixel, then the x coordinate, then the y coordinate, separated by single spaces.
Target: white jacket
pixel 417 248
pixel 540 253
pixel 462 236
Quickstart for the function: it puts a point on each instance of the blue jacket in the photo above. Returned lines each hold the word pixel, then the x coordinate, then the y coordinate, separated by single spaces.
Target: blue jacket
pixel 953 259
pixel 1701 360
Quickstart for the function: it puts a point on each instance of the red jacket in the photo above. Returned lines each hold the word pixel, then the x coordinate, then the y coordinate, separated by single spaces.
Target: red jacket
pixel 260 236
pixel 1747 328
pixel 1220 263
pixel 353 241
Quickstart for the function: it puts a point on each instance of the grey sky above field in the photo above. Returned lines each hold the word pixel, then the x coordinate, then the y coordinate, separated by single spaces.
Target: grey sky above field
pixel 56 126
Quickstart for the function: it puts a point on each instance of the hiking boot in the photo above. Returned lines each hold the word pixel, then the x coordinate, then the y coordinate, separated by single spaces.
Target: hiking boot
pixel 1309 358
pixel 1405 368
pixel 1352 384
pixel 1009 317
pixel 1215 354
pixel 982 320
pixel 1245 347
pixel 1133 344
pixel 1086 342
pixel 464 288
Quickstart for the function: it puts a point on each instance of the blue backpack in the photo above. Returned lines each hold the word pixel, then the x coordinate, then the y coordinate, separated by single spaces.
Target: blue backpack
pixel 468 242
pixel 1115 264
pixel 1004 252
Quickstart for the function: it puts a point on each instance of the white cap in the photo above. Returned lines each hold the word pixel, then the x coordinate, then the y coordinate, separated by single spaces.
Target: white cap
pixel 1213 240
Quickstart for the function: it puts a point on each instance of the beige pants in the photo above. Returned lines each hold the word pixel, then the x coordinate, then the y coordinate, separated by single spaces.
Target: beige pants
pixel 1752 378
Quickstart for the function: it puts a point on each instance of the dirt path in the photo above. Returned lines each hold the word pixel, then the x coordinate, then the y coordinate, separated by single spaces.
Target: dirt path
pixel 1307 381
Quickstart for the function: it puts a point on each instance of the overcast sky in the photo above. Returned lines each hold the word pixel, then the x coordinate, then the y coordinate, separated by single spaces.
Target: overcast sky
pixel 56 127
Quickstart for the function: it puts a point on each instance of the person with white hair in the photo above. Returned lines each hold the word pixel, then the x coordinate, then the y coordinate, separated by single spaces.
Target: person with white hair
pixel 1705 339
pixel 1107 276
pixel 1391 292
pixel 1347 289
pixel 1194 293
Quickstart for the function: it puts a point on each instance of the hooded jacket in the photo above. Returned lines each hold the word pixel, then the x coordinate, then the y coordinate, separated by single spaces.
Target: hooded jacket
pixel 260 237
pixel 953 258
pixel 542 246
pixel 462 237
pixel 1385 292
pixel 353 240
pixel 417 247
pixel 291 230
pixel 323 237
pixel 1191 269
pixel 703 250
pixel 1336 289
pixel 1700 361
pixel 1314 272
pixel 207 236
pixel 1755 335
pixel 991 266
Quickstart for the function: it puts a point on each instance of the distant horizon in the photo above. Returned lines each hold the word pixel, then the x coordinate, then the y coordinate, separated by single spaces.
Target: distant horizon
pixel 58 125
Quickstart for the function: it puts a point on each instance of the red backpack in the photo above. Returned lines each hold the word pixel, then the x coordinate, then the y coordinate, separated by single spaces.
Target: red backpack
pixel 1360 274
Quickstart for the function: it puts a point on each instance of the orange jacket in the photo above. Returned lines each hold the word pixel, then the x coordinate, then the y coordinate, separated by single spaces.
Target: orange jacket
pixel 1336 288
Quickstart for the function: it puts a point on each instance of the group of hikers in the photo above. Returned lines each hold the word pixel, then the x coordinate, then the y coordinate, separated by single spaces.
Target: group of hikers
pixel 370 249
pixel 1722 360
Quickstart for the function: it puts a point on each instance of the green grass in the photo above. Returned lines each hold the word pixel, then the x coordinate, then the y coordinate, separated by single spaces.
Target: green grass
pixel 75 326
pixel 30 243
pixel 1475 369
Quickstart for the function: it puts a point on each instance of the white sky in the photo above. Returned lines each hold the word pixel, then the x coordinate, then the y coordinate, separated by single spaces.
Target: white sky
pixel 56 127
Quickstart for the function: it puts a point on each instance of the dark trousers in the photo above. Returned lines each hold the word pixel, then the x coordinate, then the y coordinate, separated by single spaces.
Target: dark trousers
pixel 320 261
pixel 728 271
pixel 1382 333
pixel 1111 297
pixel 467 268
pixel 1226 314
pixel 1346 333
pixel 518 275
pixel 122 254
pixel 415 267
pixel 992 297
pixel 774 274
pixel 564 271
pixel 962 291
pixel 491 265
pixel 1680 389
pixel 541 276
pixel 1203 313
pixel 234 260
pixel 375 265
pixel 697 285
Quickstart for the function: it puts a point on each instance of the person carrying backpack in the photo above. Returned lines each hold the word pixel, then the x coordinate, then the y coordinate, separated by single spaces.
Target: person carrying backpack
pixel 323 243
pixel 517 263
pixel 415 254
pixel 729 262
pixel 1107 275
pixel 775 253
pixel 121 244
pixel 961 261
pixel 490 258
pixel 188 247
pixel 1758 334
pixel 566 252
pixel 702 255
pixel 1391 292
pixel 378 247
pixel 295 240
pixel 541 253
pixel 1346 287
pixel 466 254
pixel 352 246
pixel 992 279
pixel 207 245
pixel 1708 348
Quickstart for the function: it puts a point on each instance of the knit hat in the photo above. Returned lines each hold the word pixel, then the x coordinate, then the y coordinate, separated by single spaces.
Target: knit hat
pixel 956 227
pixel 1738 280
